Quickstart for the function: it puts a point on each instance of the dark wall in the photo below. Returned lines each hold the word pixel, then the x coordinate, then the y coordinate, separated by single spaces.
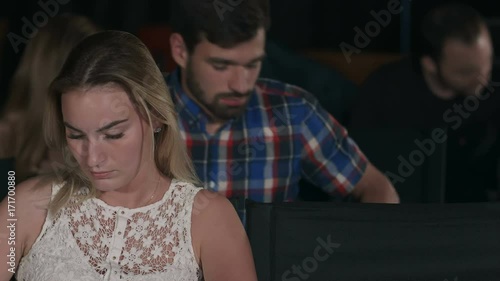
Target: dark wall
pixel 326 24
pixel 298 24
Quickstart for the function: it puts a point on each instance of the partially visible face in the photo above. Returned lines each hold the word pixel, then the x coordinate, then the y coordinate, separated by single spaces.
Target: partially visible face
pixel 466 68
pixel 106 135
pixel 221 80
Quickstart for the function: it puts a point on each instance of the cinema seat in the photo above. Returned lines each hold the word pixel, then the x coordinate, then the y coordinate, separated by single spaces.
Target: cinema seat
pixel 373 242
pixel 413 161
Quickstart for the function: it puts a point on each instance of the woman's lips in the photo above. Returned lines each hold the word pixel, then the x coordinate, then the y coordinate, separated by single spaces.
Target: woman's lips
pixel 101 175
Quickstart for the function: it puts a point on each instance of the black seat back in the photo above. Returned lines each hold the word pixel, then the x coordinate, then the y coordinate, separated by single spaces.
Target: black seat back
pixel 369 242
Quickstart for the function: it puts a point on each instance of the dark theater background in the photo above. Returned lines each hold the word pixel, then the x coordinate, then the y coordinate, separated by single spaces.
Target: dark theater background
pixel 314 28
pixel 347 40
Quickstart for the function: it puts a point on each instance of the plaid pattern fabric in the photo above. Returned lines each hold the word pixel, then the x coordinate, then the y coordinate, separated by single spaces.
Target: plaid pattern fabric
pixel 283 136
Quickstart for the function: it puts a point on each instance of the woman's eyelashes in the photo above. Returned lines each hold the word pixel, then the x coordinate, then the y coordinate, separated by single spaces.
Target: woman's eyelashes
pixel 74 136
pixel 107 136
pixel 115 136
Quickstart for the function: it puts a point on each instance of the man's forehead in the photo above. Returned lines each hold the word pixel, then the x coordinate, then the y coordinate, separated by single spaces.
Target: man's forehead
pixel 254 46
pixel 481 42
pixel 458 52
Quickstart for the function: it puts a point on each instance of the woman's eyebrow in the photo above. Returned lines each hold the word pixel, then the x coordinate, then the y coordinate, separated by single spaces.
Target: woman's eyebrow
pixel 104 128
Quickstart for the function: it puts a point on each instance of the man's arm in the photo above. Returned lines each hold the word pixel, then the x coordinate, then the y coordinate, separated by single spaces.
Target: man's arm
pixel 333 161
pixel 374 187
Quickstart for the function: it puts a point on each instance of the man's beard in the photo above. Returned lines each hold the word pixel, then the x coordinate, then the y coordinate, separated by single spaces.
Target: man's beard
pixel 216 108
pixel 442 80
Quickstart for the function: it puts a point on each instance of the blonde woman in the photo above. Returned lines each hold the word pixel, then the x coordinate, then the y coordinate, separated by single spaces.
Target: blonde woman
pixel 125 205
pixel 21 125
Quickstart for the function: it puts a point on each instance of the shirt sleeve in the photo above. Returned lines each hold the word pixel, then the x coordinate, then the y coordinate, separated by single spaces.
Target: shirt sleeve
pixel 330 158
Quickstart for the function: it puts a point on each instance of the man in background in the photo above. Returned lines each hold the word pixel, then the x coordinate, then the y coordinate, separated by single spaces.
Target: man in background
pixel 446 84
pixel 256 138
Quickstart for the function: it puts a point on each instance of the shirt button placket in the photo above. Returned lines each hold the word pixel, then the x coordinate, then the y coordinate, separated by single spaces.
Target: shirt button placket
pixel 117 244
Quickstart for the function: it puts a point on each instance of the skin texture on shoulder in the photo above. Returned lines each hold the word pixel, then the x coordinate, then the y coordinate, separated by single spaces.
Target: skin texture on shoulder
pixel 27 205
pixel 220 242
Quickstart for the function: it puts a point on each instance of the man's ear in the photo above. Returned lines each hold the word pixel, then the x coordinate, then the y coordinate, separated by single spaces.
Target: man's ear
pixel 428 64
pixel 178 49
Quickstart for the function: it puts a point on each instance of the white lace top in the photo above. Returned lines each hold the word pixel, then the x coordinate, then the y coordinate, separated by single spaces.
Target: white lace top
pixel 95 241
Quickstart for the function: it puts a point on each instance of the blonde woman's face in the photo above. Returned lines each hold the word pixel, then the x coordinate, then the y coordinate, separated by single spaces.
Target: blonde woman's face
pixel 108 138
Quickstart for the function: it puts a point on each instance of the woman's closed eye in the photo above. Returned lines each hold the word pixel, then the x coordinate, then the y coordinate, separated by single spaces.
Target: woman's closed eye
pixel 114 136
pixel 74 136
pixel 107 136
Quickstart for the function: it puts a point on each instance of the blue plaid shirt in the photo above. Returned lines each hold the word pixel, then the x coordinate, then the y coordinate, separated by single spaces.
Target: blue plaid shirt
pixel 284 135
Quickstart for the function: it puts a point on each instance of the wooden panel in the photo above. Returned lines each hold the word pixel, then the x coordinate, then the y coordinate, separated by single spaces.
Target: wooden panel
pixel 359 68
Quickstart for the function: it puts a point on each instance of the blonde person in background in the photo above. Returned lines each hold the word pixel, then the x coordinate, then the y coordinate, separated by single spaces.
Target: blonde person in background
pixel 127 205
pixel 21 136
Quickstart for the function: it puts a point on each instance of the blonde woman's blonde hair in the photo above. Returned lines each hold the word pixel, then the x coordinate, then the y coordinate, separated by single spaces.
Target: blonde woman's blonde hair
pixel 40 63
pixel 119 58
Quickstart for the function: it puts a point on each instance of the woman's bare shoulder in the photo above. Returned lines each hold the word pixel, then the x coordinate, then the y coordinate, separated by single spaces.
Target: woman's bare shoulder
pixel 27 202
pixel 210 210
pixel 34 192
pixel 220 242
pixel 30 199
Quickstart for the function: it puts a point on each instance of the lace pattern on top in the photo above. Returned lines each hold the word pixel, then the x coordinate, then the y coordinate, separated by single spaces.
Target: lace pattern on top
pixel 95 241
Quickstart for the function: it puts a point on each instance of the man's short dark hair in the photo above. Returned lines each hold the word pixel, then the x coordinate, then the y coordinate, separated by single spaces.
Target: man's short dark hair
pixel 449 21
pixel 225 23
